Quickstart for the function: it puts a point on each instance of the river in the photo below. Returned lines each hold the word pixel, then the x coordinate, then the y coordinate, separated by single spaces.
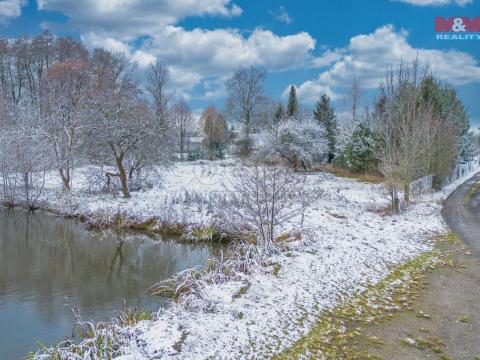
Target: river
pixel 50 265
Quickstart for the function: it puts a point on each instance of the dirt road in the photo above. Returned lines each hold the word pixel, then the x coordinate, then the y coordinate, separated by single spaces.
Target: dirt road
pixel 451 299
pixel 462 213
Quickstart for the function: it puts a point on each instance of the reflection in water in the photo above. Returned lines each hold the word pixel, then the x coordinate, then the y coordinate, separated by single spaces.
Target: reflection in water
pixel 49 265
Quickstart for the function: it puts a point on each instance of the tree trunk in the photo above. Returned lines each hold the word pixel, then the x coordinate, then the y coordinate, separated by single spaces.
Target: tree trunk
pixel 394 200
pixel 65 179
pixel 130 172
pixel 406 193
pixel 182 147
pixel 246 141
pixel 123 177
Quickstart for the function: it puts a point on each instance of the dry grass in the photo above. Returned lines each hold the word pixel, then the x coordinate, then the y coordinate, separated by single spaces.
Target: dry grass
pixel 372 178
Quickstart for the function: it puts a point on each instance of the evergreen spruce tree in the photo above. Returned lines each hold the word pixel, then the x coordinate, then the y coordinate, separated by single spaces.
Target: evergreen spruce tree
pixel 324 113
pixel 292 107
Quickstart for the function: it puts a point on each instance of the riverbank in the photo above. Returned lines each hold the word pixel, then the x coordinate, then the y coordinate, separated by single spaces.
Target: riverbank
pixel 185 199
pixel 180 200
pixel 351 246
pixel 347 244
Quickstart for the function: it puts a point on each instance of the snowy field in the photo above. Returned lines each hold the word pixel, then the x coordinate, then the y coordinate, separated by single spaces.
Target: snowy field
pixel 184 194
pixel 348 243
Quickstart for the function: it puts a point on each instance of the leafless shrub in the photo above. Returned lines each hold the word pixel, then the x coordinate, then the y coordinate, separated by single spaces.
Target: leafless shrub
pixel 262 198
pixel 22 164
pixel 99 183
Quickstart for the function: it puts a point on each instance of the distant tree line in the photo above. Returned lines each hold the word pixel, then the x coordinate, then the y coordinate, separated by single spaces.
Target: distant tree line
pixel 62 106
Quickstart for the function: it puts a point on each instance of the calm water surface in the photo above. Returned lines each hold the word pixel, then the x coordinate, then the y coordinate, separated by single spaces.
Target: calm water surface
pixel 50 265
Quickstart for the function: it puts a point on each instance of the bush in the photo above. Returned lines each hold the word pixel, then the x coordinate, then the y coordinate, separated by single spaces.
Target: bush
pixel 358 154
pixel 300 143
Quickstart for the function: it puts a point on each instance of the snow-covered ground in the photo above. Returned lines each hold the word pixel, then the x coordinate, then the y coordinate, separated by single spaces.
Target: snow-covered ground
pixel 350 245
pixel 182 194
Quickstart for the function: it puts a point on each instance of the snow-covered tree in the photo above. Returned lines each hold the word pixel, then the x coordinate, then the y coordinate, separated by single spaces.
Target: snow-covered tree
pixel 279 113
pixel 122 128
pixel 24 157
pixel 64 93
pixel 158 77
pixel 298 143
pixel 246 101
pixel 324 113
pixel 360 151
pixel 263 197
pixel 216 133
pixel 184 125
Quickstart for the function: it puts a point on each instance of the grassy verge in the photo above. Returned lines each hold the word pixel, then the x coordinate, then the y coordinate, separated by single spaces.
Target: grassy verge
pixel 338 333
pixel 471 192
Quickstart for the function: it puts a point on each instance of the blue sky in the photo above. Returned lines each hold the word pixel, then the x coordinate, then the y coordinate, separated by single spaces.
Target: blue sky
pixel 320 46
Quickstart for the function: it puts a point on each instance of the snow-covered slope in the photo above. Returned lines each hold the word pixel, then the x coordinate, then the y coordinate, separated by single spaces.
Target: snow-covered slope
pixel 351 244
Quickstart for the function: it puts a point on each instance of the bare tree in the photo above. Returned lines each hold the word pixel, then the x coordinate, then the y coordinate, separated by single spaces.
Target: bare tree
pixel 121 126
pixel 24 159
pixel 67 48
pixel 8 170
pixel 402 127
pixel 352 99
pixel 184 124
pixel 246 101
pixel 416 142
pixel 215 130
pixel 263 198
pixel 158 77
pixel 24 62
pixel 64 95
pixel 116 125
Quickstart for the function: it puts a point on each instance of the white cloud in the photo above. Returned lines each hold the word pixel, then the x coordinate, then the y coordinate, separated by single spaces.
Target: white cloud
pixel 93 40
pixel 208 56
pixel 10 9
pixel 367 57
pixel 143 59
pixel 183 79
pixel 310 91
pixel 281 14
pixel 327 58
pixel 146 30
pixel 436 2
pixel 127 20
pixel 215 52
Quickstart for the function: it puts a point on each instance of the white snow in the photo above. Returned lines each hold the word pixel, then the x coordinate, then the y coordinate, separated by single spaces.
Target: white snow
pixel 348 244
pixel 351 246
pixel 183 194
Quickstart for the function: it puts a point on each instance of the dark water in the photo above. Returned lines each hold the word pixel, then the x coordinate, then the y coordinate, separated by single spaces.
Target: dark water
pixel 49 265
